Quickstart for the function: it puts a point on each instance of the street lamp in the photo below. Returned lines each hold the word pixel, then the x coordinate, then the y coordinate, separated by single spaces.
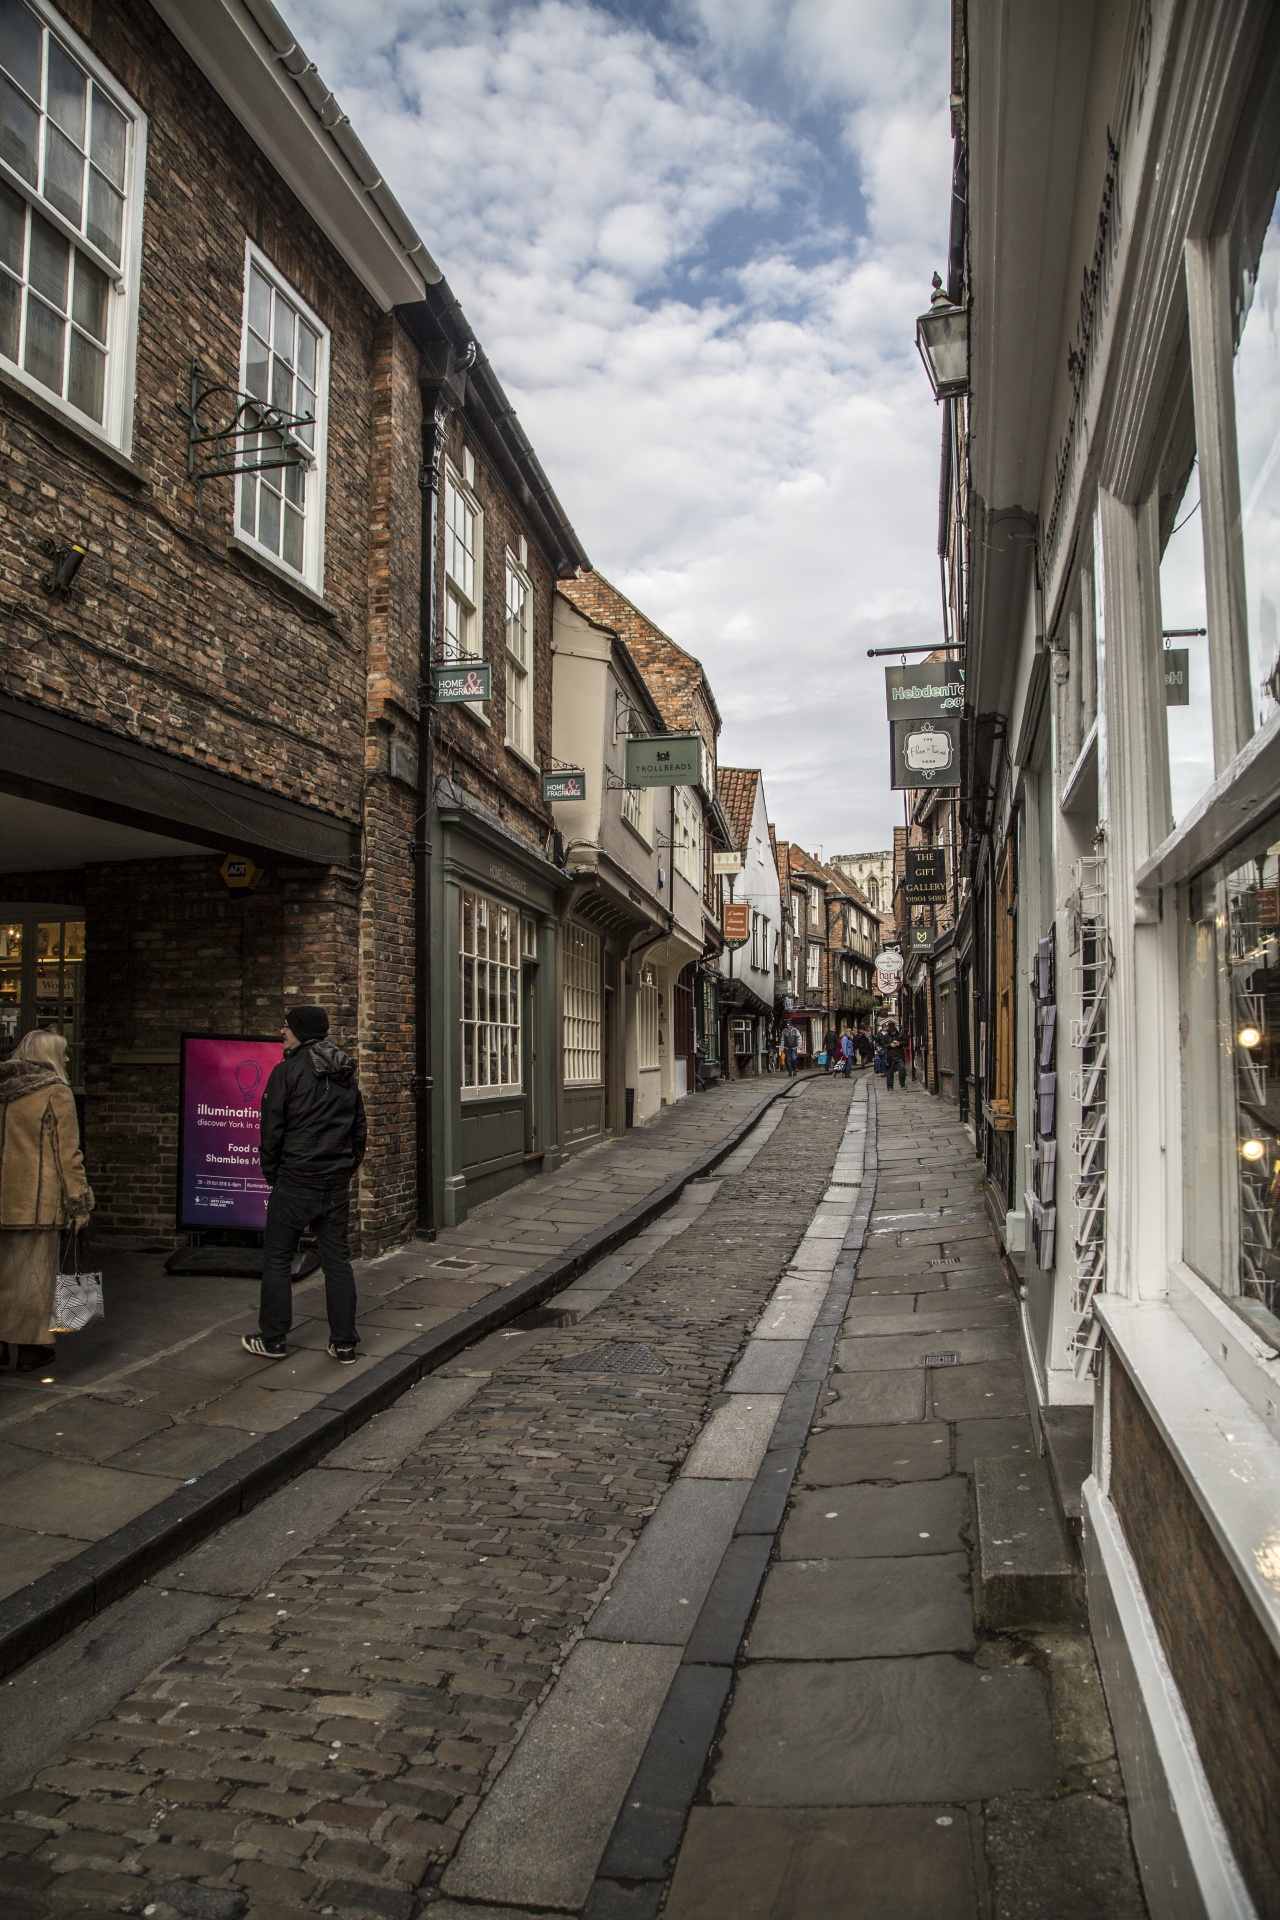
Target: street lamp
pixel 942 338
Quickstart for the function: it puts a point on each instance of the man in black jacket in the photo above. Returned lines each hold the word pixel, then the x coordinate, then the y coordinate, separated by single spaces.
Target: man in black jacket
pixel 313 1139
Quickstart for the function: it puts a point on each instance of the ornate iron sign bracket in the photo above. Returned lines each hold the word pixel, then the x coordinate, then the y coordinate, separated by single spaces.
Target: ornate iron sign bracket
pixel 216 451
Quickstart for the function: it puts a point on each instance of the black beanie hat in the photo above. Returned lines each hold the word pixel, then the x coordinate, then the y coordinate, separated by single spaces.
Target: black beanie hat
pixel 307 1023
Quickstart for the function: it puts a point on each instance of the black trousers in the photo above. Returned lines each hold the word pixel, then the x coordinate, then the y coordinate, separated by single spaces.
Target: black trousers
pixel 291 1209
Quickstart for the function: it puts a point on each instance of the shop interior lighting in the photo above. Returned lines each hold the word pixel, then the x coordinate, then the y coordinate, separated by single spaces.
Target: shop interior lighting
pixel 942 339
pixel 1253 1149
pixel 1249 1037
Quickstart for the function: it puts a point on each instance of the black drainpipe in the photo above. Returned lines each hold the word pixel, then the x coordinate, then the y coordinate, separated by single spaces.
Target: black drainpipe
pixel 435 419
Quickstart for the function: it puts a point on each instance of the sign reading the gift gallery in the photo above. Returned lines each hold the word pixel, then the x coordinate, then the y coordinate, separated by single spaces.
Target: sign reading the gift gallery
pixel 570 783
pixel 928 690
pixel 222 1081
pixel 924 882
pixel 463 680
pixel 926 753
pixel 663 759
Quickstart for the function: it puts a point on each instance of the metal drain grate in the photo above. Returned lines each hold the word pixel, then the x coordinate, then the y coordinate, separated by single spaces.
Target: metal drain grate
pixel 619 1356
pixel 948 1260
pixel 942 1359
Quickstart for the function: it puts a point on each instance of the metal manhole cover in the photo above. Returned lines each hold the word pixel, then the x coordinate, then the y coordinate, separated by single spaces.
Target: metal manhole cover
pixel 619 1356
pixel 942 1359
pixel 949 1260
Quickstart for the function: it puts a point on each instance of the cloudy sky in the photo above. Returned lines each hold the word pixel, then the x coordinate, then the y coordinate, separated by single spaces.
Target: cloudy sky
pixel 693 238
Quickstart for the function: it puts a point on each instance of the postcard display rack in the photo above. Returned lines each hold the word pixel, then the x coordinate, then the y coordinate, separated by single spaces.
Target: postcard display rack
pixel 1044 1212
pixel 1091 972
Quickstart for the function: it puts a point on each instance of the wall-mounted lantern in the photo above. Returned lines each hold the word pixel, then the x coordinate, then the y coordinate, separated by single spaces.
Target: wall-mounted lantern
pixel 942 338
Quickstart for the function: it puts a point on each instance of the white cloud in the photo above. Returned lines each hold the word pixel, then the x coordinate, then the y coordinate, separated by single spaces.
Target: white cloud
pixel 718 371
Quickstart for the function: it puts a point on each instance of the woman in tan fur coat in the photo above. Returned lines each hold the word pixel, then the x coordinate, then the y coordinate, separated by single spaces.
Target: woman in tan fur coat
pixel 43 1189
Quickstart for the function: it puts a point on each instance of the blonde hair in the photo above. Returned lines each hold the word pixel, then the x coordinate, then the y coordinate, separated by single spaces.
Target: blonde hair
pixel 45 1048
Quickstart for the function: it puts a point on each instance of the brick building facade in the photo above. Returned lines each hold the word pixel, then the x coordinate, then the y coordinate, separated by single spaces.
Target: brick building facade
pixel 236 667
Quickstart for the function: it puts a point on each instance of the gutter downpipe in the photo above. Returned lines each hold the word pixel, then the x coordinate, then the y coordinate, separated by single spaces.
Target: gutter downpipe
pixel 434 424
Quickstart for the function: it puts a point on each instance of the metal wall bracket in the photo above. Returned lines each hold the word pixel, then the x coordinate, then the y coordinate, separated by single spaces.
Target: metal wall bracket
pixel 218 451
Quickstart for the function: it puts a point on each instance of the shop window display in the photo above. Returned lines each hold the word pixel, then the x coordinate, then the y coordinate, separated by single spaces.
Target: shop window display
pixel 1230 1032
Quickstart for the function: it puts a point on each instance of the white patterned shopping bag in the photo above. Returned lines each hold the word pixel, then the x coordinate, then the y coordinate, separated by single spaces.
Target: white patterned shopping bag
pixel 77 1297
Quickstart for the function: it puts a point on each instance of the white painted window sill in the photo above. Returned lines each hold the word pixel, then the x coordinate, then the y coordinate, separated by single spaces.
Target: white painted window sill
pixel 1225 1451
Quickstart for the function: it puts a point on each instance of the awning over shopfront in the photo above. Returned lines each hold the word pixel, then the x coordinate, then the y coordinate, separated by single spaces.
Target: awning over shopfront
pixel 56 762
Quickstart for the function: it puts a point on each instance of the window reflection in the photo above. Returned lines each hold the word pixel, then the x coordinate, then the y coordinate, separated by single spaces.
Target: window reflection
pixel 1257 391
pixel 1184 617
pixel 1231 1080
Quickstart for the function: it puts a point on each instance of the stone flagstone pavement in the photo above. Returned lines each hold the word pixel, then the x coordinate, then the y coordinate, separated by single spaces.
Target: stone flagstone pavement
pixel 162 1392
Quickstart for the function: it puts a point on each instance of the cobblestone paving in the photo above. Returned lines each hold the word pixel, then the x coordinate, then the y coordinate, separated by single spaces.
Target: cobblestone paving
pixel 323 1748
pixel 161 1389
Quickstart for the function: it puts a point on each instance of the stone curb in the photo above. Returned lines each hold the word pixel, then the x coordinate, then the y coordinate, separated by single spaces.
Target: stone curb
pixel 638 1860
pixel 37 1616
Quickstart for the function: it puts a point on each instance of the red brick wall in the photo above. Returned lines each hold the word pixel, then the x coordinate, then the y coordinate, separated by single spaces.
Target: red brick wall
pixel 1224 1664
pixel 171 637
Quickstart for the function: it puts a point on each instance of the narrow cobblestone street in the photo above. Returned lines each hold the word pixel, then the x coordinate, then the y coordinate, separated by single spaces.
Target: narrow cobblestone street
pixel 478 1661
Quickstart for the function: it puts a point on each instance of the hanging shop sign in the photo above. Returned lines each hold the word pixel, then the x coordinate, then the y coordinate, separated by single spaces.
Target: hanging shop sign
pixel 735 923
pixel 927 691
pixel 926 753
pixel 726 863
pixel 924 882
pixel 1177 662
pixel 663 759
pixel 569 783
pixel 889 965
pixel 222 1081
pixel 921 939
pixel 463 680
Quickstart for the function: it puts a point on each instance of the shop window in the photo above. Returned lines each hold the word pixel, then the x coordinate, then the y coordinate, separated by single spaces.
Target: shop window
pixel 648 1011
pixel 582 1007
pixel 1230 1030
pixel 42 982
pixel 519 659
pixel 1257 398
pixel 284 365
pixel 490 998
pixel 73 150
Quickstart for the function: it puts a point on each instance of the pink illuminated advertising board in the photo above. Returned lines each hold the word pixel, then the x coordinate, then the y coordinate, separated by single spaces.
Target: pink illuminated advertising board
pixel 220 1183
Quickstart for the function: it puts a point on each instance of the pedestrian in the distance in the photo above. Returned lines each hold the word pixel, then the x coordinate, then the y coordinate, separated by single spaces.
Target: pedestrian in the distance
pixel 43 1190
pixel 895 1059
pixel 313 1139
pixel 847 1051
pixel 831 1047
pixel 791 1045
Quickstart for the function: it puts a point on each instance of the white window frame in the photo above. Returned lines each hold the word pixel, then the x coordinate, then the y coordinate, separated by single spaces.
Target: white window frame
pixel 116 426
pixel 648 1018
pixel 509 975
pixel 582 1001
pixel 311 573
pixel 687 854
pixel 637 812
pixel 812 966
pixel 471 604
pixel 518 667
